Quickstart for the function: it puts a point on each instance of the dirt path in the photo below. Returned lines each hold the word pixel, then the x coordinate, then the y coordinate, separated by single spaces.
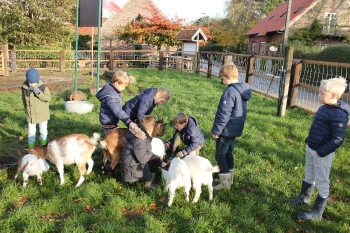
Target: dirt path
pixel 56 82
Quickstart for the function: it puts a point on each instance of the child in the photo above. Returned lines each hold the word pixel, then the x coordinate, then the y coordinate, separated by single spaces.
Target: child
pixel 326 134
pixel 138 163
pixel 229 121
pixel 111 103
pixel 143 104
pixel 187 131
pixel 36 97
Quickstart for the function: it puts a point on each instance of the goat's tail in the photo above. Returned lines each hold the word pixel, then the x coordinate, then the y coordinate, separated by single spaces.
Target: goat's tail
pixel 215 169
pixel 95 139
pixel 103 144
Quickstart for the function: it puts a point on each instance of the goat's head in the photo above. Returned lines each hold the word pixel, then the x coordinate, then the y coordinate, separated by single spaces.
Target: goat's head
pixel 158 129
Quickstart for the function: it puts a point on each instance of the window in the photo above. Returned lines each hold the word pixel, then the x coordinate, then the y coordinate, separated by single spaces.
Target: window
pixel 262 48
pixel 330 23
pixel 323 46
pixel 253 48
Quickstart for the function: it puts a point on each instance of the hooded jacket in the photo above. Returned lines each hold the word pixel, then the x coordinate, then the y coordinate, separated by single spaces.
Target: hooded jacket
pixel 111 106
pixel 192 136
pixel 141 105
pixel 328 128
pixel 36 106
pixel 232 110
pixel 135 156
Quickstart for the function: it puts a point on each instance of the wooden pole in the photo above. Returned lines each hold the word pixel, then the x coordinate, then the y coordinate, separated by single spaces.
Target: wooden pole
pixel 284 82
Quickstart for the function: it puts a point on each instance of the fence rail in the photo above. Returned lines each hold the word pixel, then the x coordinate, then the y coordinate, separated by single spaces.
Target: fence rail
pixel 262 72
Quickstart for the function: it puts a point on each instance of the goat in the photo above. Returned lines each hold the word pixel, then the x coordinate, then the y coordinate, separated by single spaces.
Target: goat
pixel 31 166
pixel 201 173
pixel 115 141
pixel 70 149
pixel 158 147
pixel 178 176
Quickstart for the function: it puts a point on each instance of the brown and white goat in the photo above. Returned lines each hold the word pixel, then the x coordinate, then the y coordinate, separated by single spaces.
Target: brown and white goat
pixel 70 149
pixel 115 141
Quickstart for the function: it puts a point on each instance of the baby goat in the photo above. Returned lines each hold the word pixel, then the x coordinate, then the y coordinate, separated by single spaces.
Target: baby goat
pixel 70 149
pixel 31 166
pixel 178 176
pixel 201 172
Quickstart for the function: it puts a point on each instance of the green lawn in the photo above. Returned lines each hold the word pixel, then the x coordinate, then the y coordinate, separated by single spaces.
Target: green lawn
pixel 269 166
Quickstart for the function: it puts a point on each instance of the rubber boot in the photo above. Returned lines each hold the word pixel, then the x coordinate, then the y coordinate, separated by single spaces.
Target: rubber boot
pixel 43 142
pixel 151 184
pixel 305 194
pixel 317 210
pixel 31 144
pixel 225 181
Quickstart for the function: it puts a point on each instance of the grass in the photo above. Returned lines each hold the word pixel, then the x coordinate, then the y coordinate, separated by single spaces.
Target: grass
pixel 269 166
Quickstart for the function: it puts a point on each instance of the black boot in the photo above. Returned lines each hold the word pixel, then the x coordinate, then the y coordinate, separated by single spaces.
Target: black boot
pixel 151 184
pixel 317 210
pixel 305 194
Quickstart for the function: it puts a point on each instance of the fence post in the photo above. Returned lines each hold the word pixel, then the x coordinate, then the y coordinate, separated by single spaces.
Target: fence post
pixel 161 57
pixel 210 64
pixel 13 61
pixel 225 60
pixel 284 82
pixel 198 63
pixel 111 58
pixel 294 83
pixel 250 70
pixel 63 60
pixel 5 52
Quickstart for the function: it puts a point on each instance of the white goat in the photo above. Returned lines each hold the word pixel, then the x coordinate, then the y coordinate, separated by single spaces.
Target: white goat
pixel 31 166
pixel 178 176
pixel 70 149
pixel 158 147
pixel 201 172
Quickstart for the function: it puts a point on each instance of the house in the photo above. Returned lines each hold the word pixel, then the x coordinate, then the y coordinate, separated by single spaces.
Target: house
pixel 131 10
pixel 190 40
pixel 334 14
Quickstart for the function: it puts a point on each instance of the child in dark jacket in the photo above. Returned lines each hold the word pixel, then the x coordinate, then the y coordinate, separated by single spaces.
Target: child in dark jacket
pixel 36 97
pixel 111 103
pixel 138 163
pixel 326 135
pixel 186 130
pixel 143 104
pixel 229 121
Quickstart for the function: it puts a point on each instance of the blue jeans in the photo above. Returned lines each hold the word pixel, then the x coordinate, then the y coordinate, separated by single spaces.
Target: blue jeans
pixel 224 153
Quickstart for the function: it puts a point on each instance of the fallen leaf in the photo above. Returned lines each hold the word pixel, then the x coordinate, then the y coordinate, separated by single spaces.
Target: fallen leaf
pixel 88 207
pixel 162 199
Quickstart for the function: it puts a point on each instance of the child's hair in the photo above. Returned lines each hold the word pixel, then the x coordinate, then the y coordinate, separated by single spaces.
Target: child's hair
pixel 229 68
pixel 163 92
pixel 148 122
pixel 335 86
pixel 121 78
pixel 180 118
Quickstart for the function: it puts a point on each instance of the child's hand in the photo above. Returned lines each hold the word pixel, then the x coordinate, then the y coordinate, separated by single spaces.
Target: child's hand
pixel 215 136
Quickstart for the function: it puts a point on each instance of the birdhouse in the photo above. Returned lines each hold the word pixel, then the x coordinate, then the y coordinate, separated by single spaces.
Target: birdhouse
pixel 190 40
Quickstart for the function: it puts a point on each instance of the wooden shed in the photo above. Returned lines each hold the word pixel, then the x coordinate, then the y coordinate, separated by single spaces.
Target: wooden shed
pixel 190 40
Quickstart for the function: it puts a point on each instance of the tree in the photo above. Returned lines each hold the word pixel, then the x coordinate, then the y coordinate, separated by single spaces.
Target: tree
pixel 266 6
pixel 31 22
pixel 155 30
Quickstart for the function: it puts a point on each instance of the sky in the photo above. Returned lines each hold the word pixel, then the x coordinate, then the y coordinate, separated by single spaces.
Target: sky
pixel 188 9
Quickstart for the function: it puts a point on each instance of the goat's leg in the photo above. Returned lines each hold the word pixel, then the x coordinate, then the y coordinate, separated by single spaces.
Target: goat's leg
pixel 18 171
pixel 90 163
pixel 82 169
pixel 198 190
pixel 187 191
pixel 171 195
pixel 210 189
pixel 60 169
pixel 38 178
pixel 25 179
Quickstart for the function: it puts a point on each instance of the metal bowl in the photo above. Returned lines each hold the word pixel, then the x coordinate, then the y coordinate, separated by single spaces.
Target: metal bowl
pixel 7 161
pixel 80 107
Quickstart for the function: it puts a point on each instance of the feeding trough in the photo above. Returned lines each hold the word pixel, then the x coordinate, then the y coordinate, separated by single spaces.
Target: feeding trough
pixel 7 161
pixel 80 107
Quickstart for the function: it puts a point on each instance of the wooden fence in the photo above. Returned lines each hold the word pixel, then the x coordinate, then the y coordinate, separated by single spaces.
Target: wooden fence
pixel 262 72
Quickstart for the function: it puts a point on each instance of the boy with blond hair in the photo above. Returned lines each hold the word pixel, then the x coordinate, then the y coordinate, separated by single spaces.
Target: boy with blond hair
pixel 326 135
pixel 144 103
pixel 111 103
pixel 186 130
pixel 229 121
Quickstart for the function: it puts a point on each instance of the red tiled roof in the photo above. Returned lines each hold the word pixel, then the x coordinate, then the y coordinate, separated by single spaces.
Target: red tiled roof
pixel 190 34
pixel 276 20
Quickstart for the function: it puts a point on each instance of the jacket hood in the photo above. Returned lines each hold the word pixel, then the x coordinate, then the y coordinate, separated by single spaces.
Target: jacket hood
pixel 244 89
pixel 344 107
pixel 150 91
